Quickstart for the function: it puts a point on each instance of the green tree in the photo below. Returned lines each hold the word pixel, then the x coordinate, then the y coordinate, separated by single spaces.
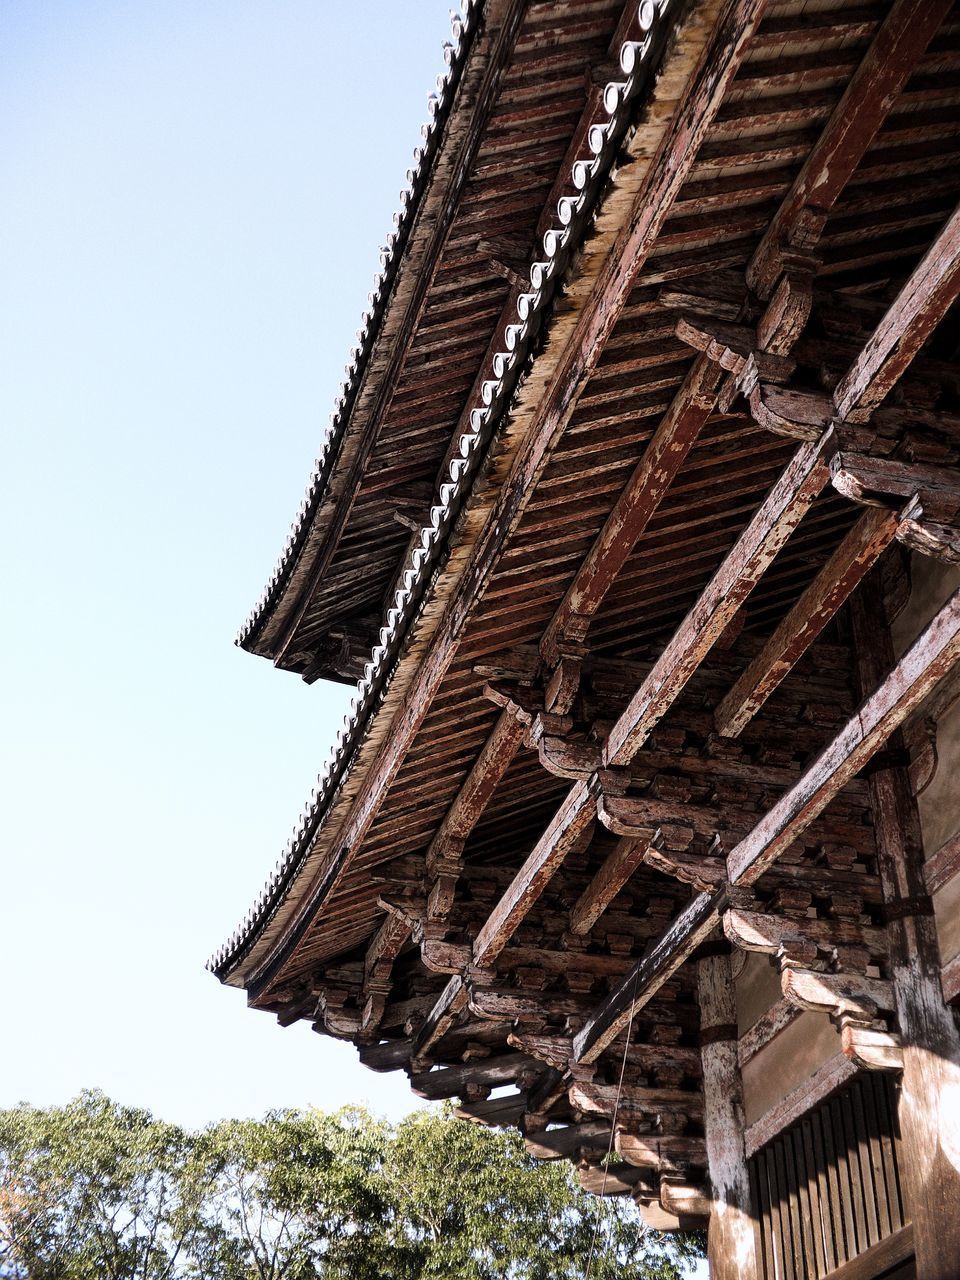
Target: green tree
pixel 94 1190
pixel 98 1190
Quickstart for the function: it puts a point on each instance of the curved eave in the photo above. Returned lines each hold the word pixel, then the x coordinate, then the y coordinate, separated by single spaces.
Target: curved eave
pixel 523 335
pixel 267 621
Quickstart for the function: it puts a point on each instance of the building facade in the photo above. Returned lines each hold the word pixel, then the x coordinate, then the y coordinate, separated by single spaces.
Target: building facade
pixel 637 525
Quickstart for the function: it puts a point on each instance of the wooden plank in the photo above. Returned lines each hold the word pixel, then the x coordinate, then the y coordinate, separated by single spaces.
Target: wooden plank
pixel 662 459
pixel 766 1029
pixel 925 662
pixel 867 100
pixel 929 1111
pixel 781 512
pixel 691 927
pixel 915 312
pixel 848 565
pixel 878 1260
pixel 732 1247
pixel 571 819
pixel 617 869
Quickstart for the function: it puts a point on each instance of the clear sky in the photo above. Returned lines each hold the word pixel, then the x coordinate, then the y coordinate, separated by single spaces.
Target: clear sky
pixel 194 199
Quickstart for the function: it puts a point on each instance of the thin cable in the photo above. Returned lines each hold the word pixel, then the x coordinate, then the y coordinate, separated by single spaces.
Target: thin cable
pixel 613 1126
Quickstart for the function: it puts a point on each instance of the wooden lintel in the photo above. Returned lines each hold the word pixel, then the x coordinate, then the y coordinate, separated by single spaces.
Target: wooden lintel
pixel 928 659
pixel 616 870
pixel 570 820
pixel 915 312
pixel 652 1151
pixel 871 93
pixel 644 491
pixel 751 555
pixel 848 565
pixel 691 927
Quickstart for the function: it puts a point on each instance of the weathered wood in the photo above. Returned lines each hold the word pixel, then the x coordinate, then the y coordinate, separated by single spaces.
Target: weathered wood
pixel 848 565
pixel 691 927
pixel 652 1151
pixel 766 1029
pixel 879 1258
pixel 824 1081
pixel 449 1082
pixel 450 1004
pixel 605 1099
pixel 930 1094
pixel 784 508
pixel 866 102
pixel 554 1144
pixel 662 459
pixel 570 820
pixel 837 994
pixel 886 481
pixel 767 933
pixel 443 855
pixel 915 312
pixel 617 869
pixel 731 1239
pixel 501 52
pixel 928 659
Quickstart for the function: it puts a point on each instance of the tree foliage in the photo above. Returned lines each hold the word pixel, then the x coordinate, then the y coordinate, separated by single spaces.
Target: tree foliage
pixel 94 1189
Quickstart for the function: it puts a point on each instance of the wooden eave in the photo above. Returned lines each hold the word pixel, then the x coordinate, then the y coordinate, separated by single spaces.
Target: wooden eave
pixel 733 459
pixel 636 702
pixel 477 211
pixel 357 746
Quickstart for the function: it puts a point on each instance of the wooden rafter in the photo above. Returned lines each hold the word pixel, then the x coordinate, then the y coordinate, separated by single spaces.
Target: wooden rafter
pixel 894 53
pixel 782 511
pixel 443 856
pixel 918 308
pixel 662 459
pixel 568 824
pixel 928 659
pixel 848 565
pixel 616 870
pixel 691 927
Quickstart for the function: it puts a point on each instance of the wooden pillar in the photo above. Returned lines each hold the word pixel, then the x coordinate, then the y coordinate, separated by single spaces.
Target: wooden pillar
pixel 930 1096
pixel 731 1247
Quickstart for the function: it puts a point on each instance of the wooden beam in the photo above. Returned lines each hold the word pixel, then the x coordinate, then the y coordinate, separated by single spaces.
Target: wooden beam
pixel 383 950
pixel 929 658
pixel 443 856
pixel 450 1082
pixel 617 869
pixel 691 927
pixel 848 565
pixel 663 457
pixel 569 822
pixel 871 93
pixel 450 1004
pixel 731 1238
pixel 929 1108
pixel 752 553
pixel 916 311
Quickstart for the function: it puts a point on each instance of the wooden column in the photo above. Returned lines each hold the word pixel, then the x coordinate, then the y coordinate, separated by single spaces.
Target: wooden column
pixel 731 1245
pixel 930 1097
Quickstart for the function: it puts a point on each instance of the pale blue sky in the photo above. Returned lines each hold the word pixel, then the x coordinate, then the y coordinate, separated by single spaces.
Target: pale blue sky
pixel 195 192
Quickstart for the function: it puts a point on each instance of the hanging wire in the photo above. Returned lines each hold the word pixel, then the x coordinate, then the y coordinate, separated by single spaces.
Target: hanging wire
pixel 613 1127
